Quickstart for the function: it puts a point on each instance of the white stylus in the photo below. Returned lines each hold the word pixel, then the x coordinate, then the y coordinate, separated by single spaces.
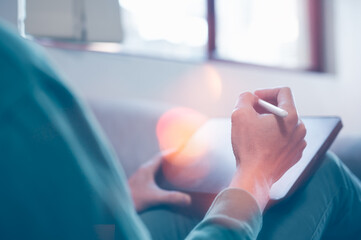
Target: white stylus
pixel 272 108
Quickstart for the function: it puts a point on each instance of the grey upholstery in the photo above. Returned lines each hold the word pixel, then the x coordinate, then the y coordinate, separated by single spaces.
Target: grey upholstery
pixel 130 127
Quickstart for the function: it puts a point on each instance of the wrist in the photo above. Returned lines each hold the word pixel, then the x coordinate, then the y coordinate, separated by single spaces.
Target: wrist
pixel 255 184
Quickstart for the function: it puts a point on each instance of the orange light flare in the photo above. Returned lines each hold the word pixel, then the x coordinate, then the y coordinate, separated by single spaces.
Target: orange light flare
pixel 201 87
pixel 213 82
pixel 174 130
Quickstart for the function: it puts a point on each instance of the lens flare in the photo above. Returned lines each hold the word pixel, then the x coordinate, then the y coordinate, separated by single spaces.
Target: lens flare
pixel 213 81
pixel 176 126
pixel 189 175
pixel 174 131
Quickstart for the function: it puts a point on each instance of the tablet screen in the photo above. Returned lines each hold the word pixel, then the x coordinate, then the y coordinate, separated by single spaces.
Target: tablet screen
pixel 210 162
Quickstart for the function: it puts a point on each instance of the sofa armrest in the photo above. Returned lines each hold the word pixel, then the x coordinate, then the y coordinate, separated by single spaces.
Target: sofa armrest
pixel 348 149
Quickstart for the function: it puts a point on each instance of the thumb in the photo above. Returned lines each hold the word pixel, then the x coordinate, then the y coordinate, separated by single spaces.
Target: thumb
pixel 175 198
pixel 157 160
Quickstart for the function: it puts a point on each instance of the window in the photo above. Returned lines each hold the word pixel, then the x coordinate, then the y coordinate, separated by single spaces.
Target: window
pixel 169 28
pixel 272 33
pixel 71 20
pixel 278 33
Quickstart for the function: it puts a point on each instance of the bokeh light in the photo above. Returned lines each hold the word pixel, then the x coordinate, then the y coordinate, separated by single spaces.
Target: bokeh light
pixel 175 130
pixel 214 82
pixel 176 126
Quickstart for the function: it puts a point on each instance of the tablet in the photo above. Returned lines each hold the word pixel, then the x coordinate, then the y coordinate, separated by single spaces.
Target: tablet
pixel 206 164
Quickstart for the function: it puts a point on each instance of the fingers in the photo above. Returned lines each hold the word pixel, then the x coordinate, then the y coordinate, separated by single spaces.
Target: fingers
pixel 269 94
pixel 298 141
pixel 244 107
pixel 145 191
pixel 246 100
pixel 174 198
pixel 301 130
pixel 285 100
pixel 299 136
pixel 154 163
pixel 298 152
pixel 298 133
pixel 282 97
pixel 298 144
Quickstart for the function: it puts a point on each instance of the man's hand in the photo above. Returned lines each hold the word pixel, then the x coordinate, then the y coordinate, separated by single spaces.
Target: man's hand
pixel 265 145
pixel 146 193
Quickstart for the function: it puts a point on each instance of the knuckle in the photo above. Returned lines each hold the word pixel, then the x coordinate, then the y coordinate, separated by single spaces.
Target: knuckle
pixel 298 156
pixel 292 119
pixel 303 129
pixel 286 89
pixel 243 98
pixel 293 112
pixel 237 116
pixel 304 144
pixel 234 116
pixel 247 94
pixel 173 197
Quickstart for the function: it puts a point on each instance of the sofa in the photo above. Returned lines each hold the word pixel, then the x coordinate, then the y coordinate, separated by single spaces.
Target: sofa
pixel 130 127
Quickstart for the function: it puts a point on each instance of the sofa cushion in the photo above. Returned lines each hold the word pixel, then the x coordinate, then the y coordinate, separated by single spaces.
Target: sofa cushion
pixel 131 129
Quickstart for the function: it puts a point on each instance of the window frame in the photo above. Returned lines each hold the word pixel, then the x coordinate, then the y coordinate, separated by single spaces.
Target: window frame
pixel 315 9
pixel 316 24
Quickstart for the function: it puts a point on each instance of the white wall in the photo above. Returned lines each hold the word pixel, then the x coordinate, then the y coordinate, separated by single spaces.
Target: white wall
pixel 8 11
pixel 188 84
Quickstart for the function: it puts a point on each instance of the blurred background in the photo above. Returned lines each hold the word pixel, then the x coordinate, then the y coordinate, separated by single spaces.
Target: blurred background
pixel 202 53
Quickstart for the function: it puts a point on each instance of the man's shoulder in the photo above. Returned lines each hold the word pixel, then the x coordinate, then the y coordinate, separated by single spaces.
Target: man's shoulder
pixel 20 65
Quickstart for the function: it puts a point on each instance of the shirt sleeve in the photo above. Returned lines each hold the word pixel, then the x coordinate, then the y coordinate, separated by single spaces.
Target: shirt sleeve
pixel 234 214
pixel 60 168
pixel 58 174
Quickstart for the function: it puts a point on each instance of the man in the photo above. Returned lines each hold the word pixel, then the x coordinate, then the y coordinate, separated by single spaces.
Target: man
pixel 59 177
